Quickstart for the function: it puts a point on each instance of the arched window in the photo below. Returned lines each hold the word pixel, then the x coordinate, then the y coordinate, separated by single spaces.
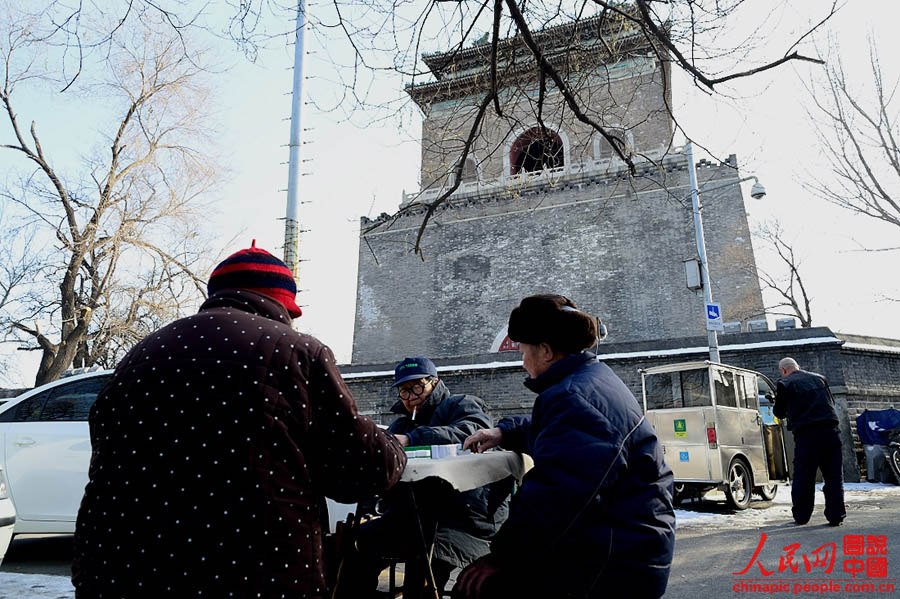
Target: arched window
pixel 503 343
pixel 535 150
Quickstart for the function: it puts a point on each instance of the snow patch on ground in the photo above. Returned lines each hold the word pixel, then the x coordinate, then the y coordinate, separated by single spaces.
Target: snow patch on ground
pixel 779 509
pixel 35 586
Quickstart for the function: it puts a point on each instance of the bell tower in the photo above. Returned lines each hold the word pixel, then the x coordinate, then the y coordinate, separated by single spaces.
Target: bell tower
pixel 546 204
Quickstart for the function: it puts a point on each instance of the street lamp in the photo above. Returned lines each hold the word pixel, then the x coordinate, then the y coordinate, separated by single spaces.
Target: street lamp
pixel 756 192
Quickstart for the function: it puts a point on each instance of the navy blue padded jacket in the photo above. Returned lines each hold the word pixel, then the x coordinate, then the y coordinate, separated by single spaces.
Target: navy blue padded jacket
pixel 596 510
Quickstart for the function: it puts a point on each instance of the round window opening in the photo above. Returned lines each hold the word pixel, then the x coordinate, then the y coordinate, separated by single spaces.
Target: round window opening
pixel 535 150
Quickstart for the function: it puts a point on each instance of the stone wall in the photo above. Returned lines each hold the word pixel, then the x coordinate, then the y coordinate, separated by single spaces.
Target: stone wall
pixel 863 373
pixel 614 245
pixel 871 379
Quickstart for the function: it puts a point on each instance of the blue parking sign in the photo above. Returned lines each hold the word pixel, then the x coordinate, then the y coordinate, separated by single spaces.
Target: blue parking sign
pixel 714 317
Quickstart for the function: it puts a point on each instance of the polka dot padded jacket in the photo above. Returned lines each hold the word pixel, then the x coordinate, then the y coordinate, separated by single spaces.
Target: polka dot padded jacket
pixel 214 445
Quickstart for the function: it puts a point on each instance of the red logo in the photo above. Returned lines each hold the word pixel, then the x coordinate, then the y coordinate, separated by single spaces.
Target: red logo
pixel 864 560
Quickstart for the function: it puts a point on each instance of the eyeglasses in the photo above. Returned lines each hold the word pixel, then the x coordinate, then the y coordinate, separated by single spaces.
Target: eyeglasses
pixel 415 390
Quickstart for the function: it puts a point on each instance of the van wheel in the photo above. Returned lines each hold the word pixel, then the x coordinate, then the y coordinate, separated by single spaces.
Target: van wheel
pixel 767 492
pixel 740 485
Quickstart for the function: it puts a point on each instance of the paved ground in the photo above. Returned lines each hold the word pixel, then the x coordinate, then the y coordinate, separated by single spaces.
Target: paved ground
pixel 39 554
pixel 712 544
pixel 711 559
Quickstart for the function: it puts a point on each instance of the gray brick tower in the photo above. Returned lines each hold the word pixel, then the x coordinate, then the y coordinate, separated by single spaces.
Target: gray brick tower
pixel 545 205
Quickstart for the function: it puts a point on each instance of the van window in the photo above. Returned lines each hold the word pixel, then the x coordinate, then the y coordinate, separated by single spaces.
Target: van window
pixel 696 388
pixel 684 389
pixel 750 391
pixel 740 394
pixel 764 389
pixel 663 391
pixel 726 396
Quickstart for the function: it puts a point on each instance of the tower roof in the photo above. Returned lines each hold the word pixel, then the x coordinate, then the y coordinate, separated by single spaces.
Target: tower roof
pixel 602 39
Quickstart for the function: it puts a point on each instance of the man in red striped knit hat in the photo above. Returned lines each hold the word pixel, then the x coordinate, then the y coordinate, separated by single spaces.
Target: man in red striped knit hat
pixel 214 446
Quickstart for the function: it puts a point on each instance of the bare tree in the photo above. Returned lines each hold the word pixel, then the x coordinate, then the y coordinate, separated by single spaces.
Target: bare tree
pixel 858 132
pixel 162 291
pixel 522 44
pixel 110 219
pixel 784 280
pixel 362 42
pixel 21 266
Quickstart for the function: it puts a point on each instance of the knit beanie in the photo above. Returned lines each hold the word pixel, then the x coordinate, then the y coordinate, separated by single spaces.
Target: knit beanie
pixel 257 270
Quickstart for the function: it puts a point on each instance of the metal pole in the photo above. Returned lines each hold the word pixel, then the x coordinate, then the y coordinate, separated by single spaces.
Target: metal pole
pixel 291 224
pixel 701 250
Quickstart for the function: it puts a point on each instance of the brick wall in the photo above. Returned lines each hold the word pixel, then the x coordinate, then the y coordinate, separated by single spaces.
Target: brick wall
pixel 612 240
pixel 614 246
pixel 859 378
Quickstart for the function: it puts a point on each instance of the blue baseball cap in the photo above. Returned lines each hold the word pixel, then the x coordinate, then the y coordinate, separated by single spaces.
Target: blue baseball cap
pixel 410 369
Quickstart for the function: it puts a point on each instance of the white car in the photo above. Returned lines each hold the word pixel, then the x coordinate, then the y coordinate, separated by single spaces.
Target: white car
pixel 7 516
pixel 45 448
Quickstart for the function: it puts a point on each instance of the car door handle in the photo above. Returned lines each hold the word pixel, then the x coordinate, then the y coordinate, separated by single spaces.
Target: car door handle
pixel 23 441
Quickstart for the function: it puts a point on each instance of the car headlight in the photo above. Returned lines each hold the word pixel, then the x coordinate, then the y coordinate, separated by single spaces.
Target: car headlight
pixel 4 491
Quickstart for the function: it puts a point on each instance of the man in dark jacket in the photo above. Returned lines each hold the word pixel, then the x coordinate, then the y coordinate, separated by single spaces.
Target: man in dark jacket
pixel 594 516
pixel 214 447
pixel 805 400
pixel 596 509
pixel 429 415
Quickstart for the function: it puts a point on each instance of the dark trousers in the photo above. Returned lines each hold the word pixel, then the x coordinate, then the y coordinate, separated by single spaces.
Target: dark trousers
pixel 818 447
pixel 401 535
pixel 359 578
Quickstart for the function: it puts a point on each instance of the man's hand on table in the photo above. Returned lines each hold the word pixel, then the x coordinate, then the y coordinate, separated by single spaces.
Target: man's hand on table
pixel 483 440
pixel 470 583
pixel 403 440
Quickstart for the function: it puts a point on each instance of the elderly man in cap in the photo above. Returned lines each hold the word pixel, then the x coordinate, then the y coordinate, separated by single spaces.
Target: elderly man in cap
pixel 214 447
pixel 428 414
pixel 805 399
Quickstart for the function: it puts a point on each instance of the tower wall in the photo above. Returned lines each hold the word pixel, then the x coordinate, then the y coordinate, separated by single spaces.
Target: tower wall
pixel 615 246
pixel 584 226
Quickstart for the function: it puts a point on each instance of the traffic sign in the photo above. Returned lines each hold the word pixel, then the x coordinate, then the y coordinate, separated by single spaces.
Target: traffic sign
pixel 714 317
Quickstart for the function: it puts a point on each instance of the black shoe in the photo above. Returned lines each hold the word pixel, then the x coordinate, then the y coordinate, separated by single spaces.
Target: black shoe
pixel 800 522
pixel 836 522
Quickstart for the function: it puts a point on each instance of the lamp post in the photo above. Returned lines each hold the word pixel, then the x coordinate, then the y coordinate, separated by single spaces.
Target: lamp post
pixel 757 192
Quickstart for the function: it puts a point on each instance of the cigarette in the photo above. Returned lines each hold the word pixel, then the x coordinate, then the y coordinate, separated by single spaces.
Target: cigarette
pixel 414 412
